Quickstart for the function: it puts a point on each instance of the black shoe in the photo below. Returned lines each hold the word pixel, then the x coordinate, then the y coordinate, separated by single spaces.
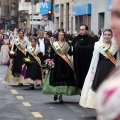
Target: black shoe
pixel 55 97
pixel 32 87
pixel 60 99
pixel 20 84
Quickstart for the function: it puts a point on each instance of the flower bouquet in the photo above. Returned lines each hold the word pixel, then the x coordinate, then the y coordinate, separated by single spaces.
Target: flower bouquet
pixel 50 64
pixel 23 71
pixel 12 54
pixel 24 67
pixel 27 60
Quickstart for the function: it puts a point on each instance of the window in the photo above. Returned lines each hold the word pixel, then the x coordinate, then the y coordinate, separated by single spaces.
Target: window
pixel 67 17
pixel 83 19
pixel 56 8
pixel 101 20
pixel 27 0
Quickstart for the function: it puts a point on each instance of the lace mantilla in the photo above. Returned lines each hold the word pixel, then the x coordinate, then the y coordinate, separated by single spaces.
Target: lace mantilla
pixel 18 43
pixel 113 49
pixel 31 50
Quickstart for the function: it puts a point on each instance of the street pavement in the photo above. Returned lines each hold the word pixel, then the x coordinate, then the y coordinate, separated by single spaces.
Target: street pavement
pixel 20 103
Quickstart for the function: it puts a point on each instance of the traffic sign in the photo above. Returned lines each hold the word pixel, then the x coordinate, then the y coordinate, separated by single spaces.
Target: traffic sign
pixel 43 23
pixel 35 22
pixel 36 17
pixel 45 17
pixel 44 7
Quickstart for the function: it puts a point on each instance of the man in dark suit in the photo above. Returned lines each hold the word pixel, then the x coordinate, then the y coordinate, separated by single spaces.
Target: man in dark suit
pixel 44 45
pixel 83 46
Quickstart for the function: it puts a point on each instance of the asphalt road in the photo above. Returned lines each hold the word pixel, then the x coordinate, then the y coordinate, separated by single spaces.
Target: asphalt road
pixel 19 103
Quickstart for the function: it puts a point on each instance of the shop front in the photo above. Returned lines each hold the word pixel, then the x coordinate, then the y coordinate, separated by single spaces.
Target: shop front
pixel 82 14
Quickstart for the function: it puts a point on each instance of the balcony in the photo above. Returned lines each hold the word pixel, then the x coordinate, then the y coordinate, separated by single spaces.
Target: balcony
pixel 24 6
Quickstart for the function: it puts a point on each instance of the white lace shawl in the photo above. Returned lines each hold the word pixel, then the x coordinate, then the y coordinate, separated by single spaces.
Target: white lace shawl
pixel 113 49
pixel 17 42
pixel 97 50
pixel 65 48
pixel 30 48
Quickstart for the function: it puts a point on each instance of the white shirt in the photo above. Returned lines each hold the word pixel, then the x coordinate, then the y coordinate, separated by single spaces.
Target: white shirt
pixel 42 46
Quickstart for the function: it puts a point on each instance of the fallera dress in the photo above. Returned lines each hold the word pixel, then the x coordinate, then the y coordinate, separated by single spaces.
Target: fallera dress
pixel 34 69
pixel 99 69
pixel 13 74
pixel 60 80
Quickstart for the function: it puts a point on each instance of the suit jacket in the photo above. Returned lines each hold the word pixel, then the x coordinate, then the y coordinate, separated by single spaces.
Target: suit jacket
pixel 47 45
pixel 82 48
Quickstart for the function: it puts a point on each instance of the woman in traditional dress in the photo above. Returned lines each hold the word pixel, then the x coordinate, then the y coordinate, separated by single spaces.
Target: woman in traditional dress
pixel 5 50
pixel 109 106
pixel 103 60
pixel 12 37
pixel 19 54
pixel 5 39
pixel 60 80
pixel 34 71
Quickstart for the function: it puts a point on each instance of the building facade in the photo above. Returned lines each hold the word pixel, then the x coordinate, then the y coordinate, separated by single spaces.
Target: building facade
pixel 8 14
pixel 94 13
pixel 30 11
pixel 63 14
pixel 23 13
